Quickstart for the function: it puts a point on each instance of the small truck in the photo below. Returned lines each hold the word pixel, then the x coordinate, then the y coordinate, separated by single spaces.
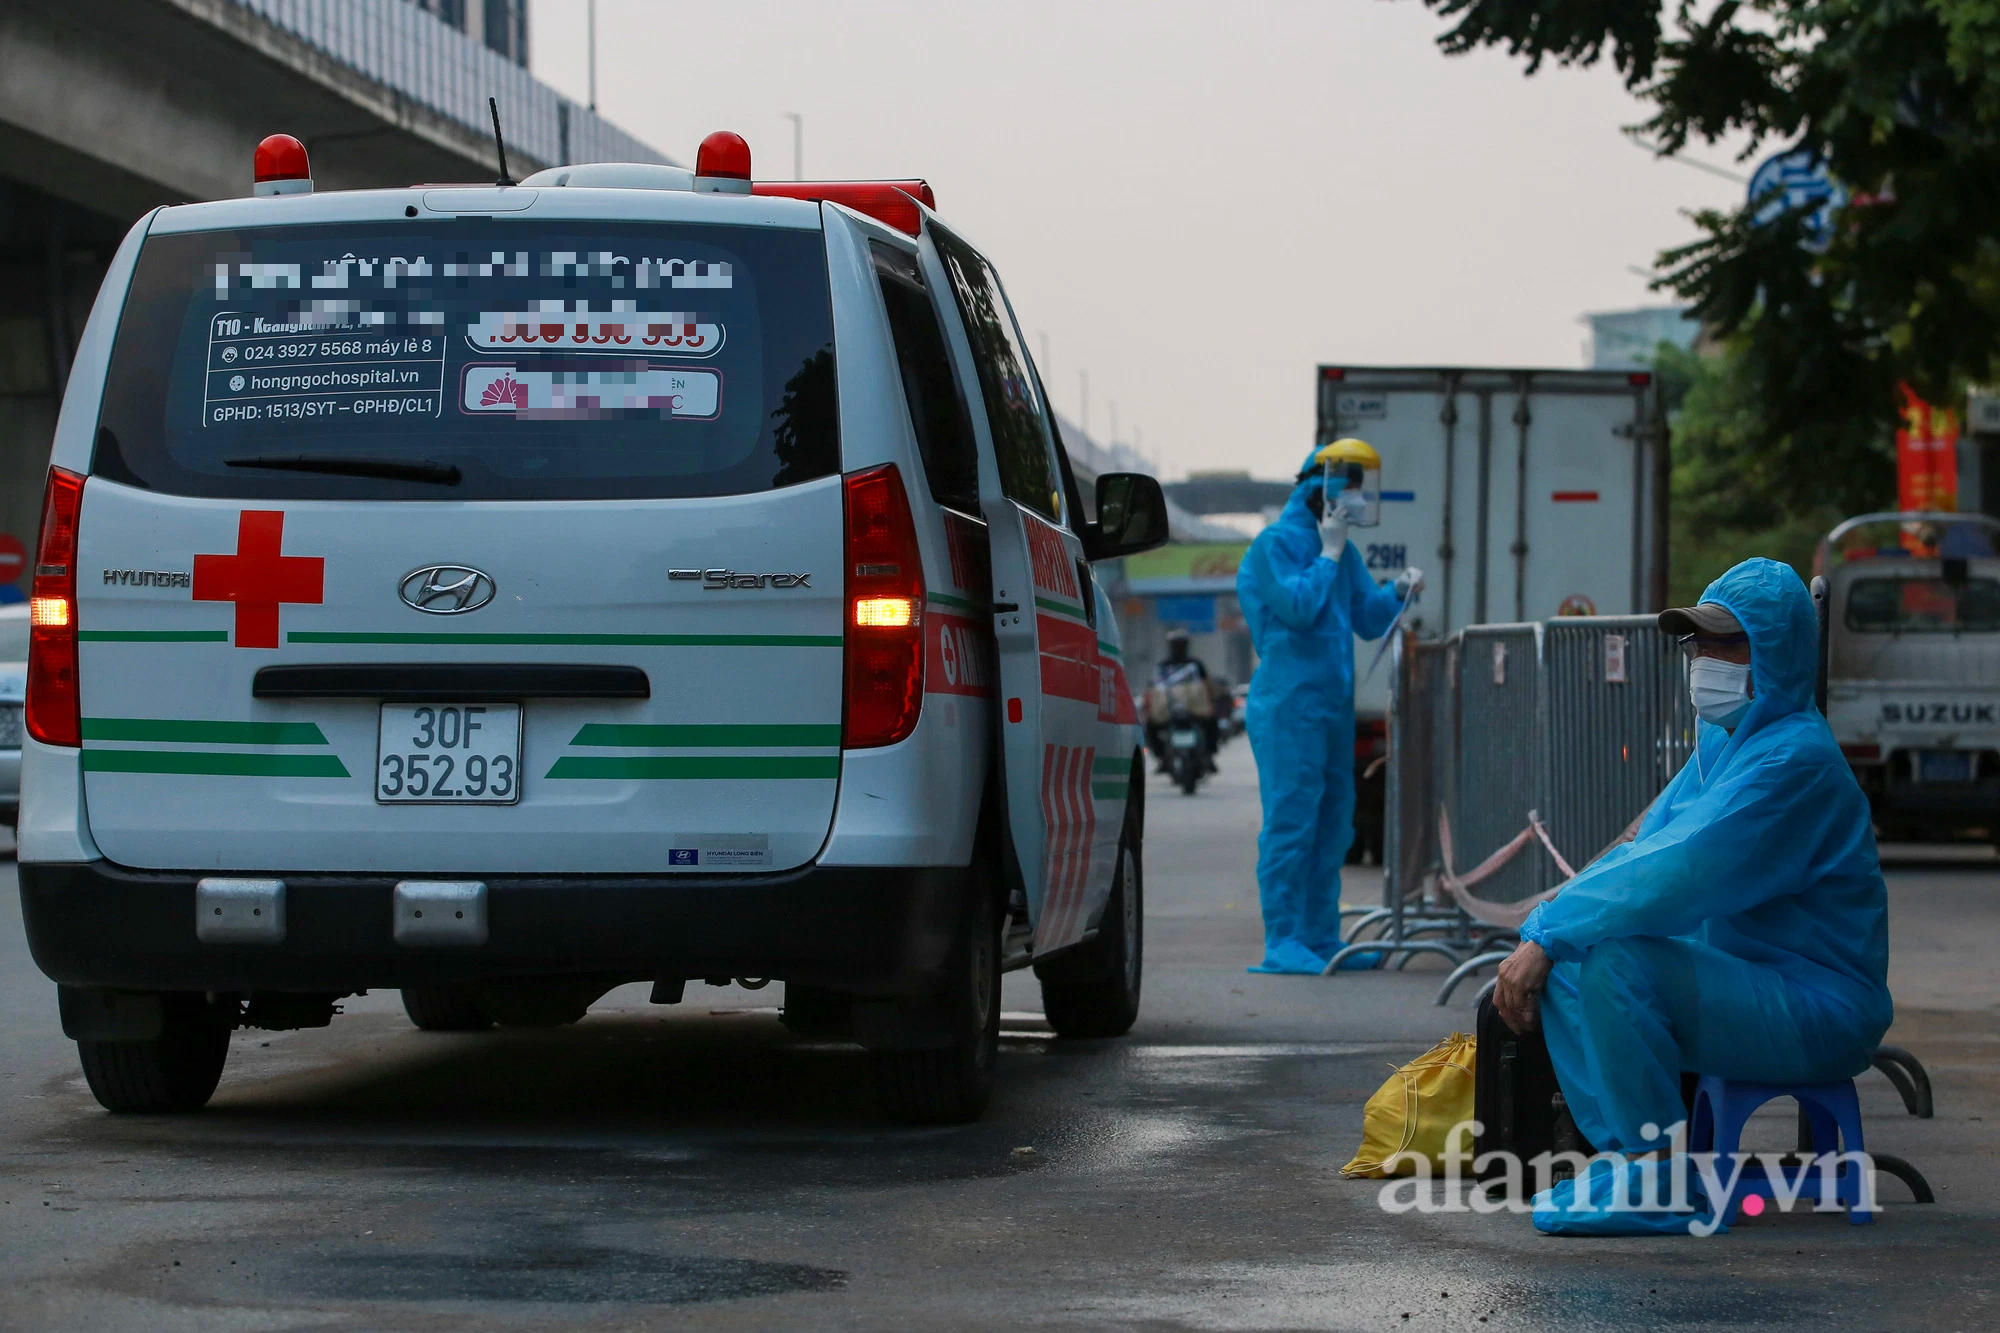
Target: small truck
pixel 1913 670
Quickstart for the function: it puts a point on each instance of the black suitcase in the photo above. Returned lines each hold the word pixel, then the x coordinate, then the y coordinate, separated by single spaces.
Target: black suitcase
pixel 1513 1090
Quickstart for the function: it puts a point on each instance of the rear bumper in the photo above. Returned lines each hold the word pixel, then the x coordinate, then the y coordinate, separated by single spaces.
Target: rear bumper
pixel 10 785
pixel 1898 800
pixel 872 930
pixel 1966 798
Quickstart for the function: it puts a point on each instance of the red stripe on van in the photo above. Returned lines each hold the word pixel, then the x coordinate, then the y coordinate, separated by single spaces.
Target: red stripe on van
pixel 1086 836
pixel 1069 660
pixel 1051 845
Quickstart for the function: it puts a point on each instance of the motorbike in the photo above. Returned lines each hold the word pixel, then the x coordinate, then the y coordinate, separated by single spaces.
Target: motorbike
pixel 1187 749
pixel 1179 707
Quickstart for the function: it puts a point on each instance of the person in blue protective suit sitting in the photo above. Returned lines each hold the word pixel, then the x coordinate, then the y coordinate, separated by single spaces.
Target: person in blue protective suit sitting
pixel 1744 932
pixel 1305 594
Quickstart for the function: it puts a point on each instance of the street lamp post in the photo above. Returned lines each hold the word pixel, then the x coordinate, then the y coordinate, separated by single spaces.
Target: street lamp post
pixel 798 144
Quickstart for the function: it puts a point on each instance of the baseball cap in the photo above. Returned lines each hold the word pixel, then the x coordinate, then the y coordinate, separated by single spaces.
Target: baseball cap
pixel 1710 618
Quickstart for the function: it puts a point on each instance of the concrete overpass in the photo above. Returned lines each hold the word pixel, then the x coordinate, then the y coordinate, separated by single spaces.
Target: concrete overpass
pixel 111 107
pixel 1228 493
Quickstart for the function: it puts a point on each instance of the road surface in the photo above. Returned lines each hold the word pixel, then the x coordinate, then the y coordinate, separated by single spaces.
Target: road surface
pixel 695 1167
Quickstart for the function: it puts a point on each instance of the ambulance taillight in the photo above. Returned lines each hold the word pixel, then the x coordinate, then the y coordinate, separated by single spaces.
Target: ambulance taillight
pixel 281 167
pixel 54 712
pixel 884 665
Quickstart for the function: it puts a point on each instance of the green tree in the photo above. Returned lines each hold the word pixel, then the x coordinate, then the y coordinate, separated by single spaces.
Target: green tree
pixel 1731 499
pixel 1901 99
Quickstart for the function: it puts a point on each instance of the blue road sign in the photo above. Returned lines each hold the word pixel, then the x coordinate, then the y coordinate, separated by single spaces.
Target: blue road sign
pixel 1195 614
pixel 1798 180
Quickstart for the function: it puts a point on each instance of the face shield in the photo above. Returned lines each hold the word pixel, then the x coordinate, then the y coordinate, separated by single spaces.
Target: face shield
pixel 1356 490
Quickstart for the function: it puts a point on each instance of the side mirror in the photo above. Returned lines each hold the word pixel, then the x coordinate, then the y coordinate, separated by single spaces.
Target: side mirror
pixel 1131 516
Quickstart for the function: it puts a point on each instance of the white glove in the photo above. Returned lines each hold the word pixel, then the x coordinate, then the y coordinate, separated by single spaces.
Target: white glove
pixel 1409 581
pixel 1333 533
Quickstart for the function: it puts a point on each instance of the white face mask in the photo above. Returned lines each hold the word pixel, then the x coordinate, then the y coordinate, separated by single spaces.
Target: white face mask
pixel 1719 690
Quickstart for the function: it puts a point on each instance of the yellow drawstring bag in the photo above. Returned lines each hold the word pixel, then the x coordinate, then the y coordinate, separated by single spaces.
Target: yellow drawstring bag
pixel 1415 1110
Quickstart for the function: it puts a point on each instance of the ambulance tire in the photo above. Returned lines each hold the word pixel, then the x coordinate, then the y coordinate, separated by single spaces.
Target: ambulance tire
pixel 951 1085
pixel 1093 991
pixel 174 1072
pixel 445 1009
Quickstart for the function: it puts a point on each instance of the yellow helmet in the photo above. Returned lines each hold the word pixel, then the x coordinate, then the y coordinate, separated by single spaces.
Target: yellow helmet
pixel 1350 450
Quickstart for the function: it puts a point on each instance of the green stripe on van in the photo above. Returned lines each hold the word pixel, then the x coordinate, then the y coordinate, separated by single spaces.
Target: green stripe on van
pixel 1120 764
pixel 196 732
pixel 153 635
pixel 956 603
pixel 215 763
pixel 667 735
pixel 1110 791
pixel 1062 608
pixel 697 767
pixel 568 640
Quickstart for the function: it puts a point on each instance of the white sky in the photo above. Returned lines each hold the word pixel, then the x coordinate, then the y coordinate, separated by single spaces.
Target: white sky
pixel 1195 202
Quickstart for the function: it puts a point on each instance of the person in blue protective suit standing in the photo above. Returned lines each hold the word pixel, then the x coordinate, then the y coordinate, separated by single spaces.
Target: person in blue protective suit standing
pixel 1744 932
pixel 1305 594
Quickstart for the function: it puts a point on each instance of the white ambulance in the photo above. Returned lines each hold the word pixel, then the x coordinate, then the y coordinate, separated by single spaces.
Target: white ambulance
pixel 507 593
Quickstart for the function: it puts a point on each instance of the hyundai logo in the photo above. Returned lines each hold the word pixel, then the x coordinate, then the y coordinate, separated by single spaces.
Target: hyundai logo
pixel 447 590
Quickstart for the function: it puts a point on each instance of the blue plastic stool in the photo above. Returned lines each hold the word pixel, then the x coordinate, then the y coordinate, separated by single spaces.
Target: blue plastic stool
pixel 1832 1112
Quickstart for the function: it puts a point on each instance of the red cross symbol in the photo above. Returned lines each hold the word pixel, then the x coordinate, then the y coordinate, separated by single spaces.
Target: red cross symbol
pixel 257 578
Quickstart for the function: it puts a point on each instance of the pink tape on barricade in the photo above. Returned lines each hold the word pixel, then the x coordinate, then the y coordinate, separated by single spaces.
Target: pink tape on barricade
pixel 1542 832
pixel 1509 916
pixel 1505 916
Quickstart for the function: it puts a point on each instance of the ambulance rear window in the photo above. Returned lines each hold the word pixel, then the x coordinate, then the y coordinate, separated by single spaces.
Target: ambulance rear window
pixel 474 358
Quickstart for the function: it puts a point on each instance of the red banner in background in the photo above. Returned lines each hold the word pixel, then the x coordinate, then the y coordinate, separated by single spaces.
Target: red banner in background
pixel 1926 456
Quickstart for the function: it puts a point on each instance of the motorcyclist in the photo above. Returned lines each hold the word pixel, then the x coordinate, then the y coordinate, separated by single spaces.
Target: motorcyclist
pixel 1180 667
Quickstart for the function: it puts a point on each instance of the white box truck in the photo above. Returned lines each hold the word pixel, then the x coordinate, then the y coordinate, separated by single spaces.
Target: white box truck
pixel 1521 494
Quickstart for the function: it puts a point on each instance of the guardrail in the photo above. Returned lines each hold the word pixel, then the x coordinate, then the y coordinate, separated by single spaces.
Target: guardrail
pixel 428 61
pixel 1524 750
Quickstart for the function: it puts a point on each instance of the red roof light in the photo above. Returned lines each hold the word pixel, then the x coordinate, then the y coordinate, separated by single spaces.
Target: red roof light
pixel 281 167
pixel 1639 378
pixel 891 202
pixel 722 164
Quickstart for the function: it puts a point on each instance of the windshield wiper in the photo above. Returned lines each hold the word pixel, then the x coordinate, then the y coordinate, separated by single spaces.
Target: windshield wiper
pixel 443 474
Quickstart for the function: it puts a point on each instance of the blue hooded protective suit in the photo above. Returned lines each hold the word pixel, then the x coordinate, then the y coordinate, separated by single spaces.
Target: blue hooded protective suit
pixel 1304 611
pixel 1745 931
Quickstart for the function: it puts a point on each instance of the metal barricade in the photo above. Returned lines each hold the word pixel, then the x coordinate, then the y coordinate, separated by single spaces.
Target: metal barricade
pixel 1620 726
pixel 1564 731
pixel 1423 737
pixel 1502 746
